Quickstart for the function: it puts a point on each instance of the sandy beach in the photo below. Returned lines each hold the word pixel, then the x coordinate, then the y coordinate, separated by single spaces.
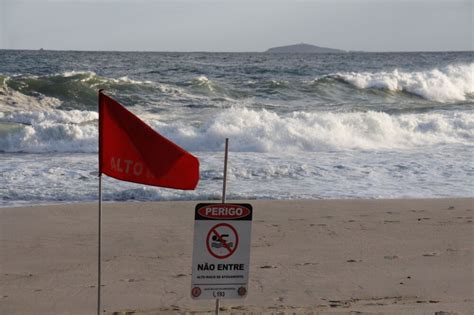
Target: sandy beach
pixel 325 256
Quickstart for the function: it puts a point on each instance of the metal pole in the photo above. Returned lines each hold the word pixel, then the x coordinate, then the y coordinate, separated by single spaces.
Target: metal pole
pixel 226 155
pixel 99 233
pixel 99 258
pixel 217 307
pixel 225 168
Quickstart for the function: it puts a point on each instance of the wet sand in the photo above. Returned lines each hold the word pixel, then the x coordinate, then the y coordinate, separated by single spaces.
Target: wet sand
pixel 308 256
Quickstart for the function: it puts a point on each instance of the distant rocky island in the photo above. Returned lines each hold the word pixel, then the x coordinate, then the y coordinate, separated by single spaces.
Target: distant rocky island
pixel 303 49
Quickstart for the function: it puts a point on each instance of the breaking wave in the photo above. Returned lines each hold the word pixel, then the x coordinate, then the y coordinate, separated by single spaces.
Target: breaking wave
pixel 48 131
pixel 72 89
pixel 250 131
pixel 448 84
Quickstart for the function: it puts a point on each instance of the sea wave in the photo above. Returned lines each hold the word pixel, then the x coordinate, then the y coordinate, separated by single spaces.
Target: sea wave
pixel 11 100
pixel 447 84
pixel 204 86
pixel 249 130
pixel 69 90
pixel 78 90
pixel 72 89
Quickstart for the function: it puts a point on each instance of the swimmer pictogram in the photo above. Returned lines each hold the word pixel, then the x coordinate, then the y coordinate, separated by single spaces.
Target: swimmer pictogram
pixel 222 240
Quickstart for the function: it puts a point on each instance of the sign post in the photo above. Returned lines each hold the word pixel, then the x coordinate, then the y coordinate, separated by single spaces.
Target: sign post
pixel 221 253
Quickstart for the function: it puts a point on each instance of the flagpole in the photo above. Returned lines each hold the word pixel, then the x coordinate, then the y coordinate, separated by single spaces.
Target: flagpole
pixel 224 186
pixel 99 232
pixel 99 253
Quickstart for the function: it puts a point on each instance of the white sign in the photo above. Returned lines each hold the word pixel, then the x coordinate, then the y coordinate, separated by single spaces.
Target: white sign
pixel 221 253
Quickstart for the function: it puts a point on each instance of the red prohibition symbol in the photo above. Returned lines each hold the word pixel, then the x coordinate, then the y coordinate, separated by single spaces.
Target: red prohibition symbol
pixel 219 240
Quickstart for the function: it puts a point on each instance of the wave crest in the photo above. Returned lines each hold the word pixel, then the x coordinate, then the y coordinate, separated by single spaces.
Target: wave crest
pixel 448 84
pixel 73 89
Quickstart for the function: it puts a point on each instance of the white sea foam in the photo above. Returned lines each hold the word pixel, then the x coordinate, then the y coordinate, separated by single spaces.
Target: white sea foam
pixel 203 82
pixel 251 131
pixel 170 89
pixel 50 117
pixel 88 75
pixel 263 131
pixel 73 73
pixel 451 83
pixel 126 79
pixel 424 172
pixel 49 131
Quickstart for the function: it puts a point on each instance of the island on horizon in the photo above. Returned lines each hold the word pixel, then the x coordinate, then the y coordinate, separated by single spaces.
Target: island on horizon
pixel 303 49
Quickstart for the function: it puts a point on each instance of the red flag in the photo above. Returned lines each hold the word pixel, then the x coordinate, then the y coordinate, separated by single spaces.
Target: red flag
pixel 130 150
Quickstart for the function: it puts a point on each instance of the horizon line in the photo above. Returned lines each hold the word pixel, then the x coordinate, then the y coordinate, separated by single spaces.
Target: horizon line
pixel 237 52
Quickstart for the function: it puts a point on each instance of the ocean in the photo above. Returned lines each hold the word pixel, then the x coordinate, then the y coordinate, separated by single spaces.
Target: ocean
pixel 311 126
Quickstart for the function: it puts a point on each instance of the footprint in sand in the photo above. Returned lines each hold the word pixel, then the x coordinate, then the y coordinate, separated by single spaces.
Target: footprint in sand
pixel 445 313
pixel 420 219
pixel 337 303
pixel 307 264
pixel 131 280
pixel 238 307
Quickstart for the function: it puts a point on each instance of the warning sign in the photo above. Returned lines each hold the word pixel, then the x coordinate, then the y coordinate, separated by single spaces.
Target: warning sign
pixel 221 253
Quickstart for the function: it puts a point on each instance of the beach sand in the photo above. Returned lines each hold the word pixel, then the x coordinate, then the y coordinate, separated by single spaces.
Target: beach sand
pixel 315 256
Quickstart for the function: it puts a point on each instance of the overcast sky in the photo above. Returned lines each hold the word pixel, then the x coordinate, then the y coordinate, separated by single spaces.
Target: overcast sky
pixel 236 25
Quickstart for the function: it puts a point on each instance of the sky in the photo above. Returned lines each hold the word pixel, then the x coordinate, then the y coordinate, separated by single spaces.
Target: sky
pixel 236 25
